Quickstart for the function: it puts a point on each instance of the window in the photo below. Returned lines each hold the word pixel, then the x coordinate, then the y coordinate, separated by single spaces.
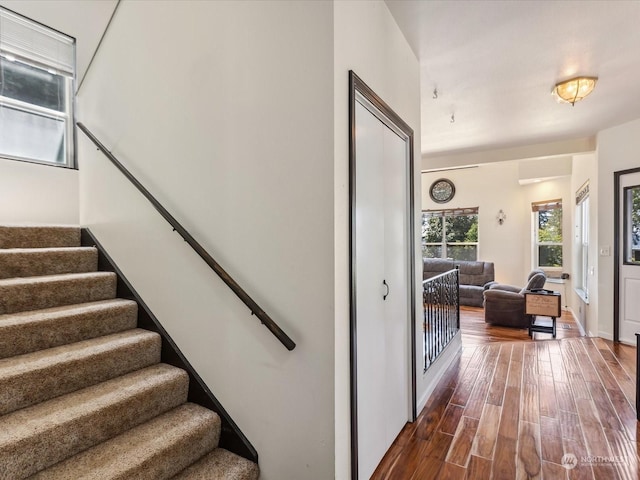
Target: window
pixel 632 225
pixel 582 216
pixel 450 234
pixel 37 69
pixel 548 234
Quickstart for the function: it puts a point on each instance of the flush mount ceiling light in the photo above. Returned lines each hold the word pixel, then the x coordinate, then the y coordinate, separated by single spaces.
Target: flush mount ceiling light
pixel 574 89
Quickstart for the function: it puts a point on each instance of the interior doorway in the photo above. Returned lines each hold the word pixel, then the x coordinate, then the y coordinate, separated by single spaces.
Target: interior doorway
pixel 382 277
pixel 627 256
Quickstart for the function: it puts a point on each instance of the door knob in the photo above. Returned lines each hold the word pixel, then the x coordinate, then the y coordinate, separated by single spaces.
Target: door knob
pixel 384 297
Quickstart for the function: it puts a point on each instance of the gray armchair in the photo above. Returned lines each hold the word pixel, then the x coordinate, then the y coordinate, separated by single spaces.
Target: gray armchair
pixel 504 304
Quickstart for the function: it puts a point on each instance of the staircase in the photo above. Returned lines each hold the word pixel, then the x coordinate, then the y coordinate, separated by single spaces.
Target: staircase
pixel 83 394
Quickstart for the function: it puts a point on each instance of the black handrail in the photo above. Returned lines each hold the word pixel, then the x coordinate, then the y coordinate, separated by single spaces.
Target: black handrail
pixel 266 320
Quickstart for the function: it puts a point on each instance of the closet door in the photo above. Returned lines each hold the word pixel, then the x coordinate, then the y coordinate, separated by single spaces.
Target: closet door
pixel 396 258
pixel 382 282
pixel 371 322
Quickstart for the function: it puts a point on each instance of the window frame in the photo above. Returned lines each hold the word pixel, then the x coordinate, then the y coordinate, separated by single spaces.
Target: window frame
pixel 442 214
pixel 38 59
pixel 536 208
pixel 583 224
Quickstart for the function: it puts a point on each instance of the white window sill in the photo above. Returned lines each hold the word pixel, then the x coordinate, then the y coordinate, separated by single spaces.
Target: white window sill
pixel 583 295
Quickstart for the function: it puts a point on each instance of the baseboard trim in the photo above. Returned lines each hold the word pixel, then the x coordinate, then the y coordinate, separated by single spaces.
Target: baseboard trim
pixel 606 336
pixel 575 318
pixel 231 437
pixel 435 372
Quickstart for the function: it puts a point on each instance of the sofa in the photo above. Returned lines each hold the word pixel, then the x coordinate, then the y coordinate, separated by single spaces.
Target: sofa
pixel 474 276
pixel 505 304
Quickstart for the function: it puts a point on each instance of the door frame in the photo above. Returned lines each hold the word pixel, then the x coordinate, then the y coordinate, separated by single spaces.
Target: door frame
pixel 616 249
pixel 358 87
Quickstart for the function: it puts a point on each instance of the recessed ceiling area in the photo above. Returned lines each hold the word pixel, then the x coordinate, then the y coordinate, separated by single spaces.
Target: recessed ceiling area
pixel 494 64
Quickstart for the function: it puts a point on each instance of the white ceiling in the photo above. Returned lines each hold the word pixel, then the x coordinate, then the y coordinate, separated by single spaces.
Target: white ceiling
pixel 85 20
pixel 494 64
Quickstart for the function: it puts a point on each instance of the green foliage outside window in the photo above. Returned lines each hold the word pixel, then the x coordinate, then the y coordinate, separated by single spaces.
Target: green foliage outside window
pixel 550 226
pixel 431 229
pixel 550 238
pixel 635 217
pixel 633 225
pixel 448 236
pixel 462 228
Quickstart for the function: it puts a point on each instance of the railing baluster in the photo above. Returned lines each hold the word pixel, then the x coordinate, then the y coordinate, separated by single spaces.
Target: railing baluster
pixel 441 313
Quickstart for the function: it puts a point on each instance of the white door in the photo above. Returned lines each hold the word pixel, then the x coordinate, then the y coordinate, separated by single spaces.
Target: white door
pixel 396 273
pixel 382 295
pixel 629 235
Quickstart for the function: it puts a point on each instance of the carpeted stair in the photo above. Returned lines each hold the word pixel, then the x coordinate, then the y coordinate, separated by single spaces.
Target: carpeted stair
pixel 83 394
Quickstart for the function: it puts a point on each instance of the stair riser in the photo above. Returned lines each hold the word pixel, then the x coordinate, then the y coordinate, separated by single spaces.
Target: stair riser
pixel 55 442
pixel 39 237
pixel 28 296
pixel 32 263
pixel 51 331
pixel 56 375
pixel 157 450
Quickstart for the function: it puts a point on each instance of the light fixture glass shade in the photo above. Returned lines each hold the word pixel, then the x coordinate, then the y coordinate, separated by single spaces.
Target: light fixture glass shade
pixel 574 89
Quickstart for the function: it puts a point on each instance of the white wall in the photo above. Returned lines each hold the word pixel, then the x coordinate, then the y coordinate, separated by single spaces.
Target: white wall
pixel 224 110
pixel 38 194
pixel 585 168
pixel 544 168
pixel 491 188
pixel 367 41
pixel 494 187
pixel 618 149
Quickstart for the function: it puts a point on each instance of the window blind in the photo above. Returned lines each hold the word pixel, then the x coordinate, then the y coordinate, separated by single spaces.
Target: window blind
pixel 33 43
pixel 546 205
pixel 451 212
pixel 582 193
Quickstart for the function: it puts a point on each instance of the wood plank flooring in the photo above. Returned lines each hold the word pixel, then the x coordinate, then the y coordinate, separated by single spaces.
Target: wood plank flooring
pixel 521 410
pixel 476 331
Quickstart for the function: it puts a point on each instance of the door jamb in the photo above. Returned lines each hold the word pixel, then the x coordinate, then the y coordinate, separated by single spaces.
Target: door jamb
pixel 616 249
pixel 356 85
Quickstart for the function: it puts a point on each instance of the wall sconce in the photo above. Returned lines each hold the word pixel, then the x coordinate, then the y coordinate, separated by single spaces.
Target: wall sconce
pixel 501 217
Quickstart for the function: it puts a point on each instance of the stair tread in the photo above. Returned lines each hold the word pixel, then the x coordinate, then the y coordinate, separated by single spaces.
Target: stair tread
pixel 220 464
pixel 44 250
pixel 39 236
pixel 36 360
pixel 29 378
pixel 45 415
pixel 35 293
pixel 62 311
pixel 155 450
pixel 31 262
pixel 54 278
pixel 79 420
pixel 33 330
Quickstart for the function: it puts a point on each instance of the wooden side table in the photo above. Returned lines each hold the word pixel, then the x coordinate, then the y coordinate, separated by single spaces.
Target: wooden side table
pixel 544 303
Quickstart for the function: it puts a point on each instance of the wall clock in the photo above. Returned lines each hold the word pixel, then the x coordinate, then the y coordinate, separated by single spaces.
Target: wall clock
pixel 442 190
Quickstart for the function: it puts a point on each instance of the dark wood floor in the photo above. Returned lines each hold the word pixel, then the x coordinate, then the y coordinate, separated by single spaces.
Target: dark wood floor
pixel 513 409
pixel 476 331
